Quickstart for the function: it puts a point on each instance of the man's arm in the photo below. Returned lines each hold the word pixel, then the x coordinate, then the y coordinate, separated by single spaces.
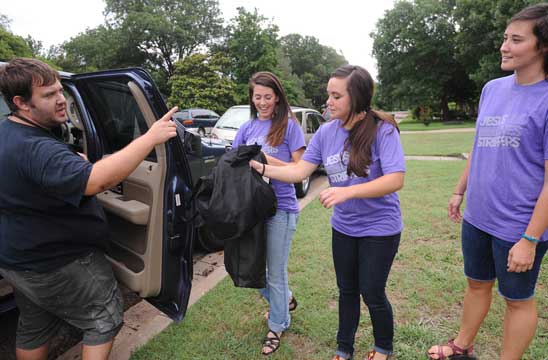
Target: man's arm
pixel 112 170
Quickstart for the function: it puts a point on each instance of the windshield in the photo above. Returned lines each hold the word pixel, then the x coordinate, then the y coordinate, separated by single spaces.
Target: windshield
pixel 233 118
pixel 203 114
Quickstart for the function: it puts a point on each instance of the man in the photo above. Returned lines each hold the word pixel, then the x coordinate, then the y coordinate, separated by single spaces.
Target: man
pixel 53 231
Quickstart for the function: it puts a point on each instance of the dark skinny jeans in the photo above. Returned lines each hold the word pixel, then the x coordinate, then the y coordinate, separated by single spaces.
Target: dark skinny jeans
pixel 362 265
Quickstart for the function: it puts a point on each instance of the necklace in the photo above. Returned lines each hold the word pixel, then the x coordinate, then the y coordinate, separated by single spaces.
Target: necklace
pixel 38 126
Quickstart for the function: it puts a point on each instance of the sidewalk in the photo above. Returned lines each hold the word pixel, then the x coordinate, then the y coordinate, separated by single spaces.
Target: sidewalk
pixel 143 321
pixel 455 130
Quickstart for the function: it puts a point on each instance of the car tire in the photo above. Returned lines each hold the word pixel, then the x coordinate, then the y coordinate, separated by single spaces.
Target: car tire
pixel 302 188
pixel 208 241
pixel 201 132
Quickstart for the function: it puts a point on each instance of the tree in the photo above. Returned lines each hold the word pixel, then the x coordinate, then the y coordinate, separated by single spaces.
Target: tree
pixel 95 49
pixel 313 63
pixel 12 46
pixel 36 47
pixel 4 22
pixel 251 45
pixel 481 26
pixel 292 84
pixel 414 45
pixel 166 31
pixel 199 81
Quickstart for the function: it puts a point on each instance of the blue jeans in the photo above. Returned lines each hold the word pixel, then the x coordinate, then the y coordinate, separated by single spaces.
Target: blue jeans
pixel 362 265
pixel 486 258
pixel 280 229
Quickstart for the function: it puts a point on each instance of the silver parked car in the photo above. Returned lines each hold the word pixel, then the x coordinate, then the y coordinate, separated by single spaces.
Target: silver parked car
pixel 227 127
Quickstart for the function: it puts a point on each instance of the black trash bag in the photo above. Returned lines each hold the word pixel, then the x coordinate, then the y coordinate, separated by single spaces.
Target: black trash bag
pixel 234 203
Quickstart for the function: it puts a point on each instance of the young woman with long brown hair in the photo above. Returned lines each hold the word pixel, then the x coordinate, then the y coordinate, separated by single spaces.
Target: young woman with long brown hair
pixel 363 158
pixel 282 142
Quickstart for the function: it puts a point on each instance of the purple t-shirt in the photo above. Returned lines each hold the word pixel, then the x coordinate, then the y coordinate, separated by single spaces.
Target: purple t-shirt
pixel 255 132
pixel 360 217
pixel 507 169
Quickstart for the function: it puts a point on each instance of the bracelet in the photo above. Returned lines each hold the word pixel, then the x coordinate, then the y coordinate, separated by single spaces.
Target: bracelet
pixel 459 194
pixel 530 238
pixel 264 168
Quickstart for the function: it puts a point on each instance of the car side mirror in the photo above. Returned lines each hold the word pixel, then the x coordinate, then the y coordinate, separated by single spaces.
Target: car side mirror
pixel 193 144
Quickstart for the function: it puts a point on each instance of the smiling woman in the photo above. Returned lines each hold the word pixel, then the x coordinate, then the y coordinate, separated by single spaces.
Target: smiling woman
pixel 504 230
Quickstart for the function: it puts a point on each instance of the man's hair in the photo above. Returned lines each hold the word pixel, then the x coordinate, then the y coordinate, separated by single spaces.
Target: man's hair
pixel 19 76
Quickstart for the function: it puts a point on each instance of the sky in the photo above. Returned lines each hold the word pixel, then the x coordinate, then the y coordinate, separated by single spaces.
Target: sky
pixel 344 25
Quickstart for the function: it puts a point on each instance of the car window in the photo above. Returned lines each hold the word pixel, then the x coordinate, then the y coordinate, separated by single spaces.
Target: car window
pixel 299 116
pixel 4 109
pixel 312 123
pixel 321 119
pixel 184 115
pixel 117 114
pixel 233 118
pixel 204 114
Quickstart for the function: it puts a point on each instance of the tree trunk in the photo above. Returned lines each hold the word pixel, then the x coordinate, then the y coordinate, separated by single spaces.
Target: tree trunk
pixel 445 108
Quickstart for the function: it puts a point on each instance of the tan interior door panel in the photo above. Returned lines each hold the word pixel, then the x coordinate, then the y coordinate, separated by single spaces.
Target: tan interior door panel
pixel 136 218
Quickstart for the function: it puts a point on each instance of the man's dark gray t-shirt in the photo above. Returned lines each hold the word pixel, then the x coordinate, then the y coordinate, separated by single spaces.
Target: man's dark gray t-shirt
pixel 46 220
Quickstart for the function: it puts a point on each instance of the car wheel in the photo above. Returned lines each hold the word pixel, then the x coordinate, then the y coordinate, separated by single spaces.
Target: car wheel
pixel 208 241
pixel 201 132
pixel 302 188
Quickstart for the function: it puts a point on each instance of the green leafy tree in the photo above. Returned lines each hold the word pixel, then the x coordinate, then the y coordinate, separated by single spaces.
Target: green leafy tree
pixel 250 43
pixel 4 22
pixel 166 31
pixel 313 63
pixel 481 27
pixel 36 47
pixel 292 84
pixel 199 81
pixel 101 48
pixel 12 46
pixel 414 44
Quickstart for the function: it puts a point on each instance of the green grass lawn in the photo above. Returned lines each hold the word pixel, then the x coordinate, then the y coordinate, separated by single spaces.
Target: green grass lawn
pixel 425 288
pixel 418 126
pixel 437 144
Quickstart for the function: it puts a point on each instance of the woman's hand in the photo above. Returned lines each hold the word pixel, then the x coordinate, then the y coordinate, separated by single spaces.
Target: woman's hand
pixel 257 166
pixel 334 195
pixel 521 256
pixel 453 209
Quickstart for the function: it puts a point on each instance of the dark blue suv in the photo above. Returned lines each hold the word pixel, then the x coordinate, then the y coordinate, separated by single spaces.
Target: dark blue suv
pixel 150 213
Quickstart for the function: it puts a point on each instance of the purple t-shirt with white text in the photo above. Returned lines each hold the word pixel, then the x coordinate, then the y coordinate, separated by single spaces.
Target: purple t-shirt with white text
pixel 510 149
pixel 379 216
pixel 255 132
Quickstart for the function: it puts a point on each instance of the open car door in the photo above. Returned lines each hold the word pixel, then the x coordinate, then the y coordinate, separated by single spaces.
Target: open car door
pixel 150 212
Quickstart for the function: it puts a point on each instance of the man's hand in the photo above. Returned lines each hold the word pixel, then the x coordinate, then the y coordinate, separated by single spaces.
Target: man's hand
pixel 334 195
pixel 521 256
pixel 453 209
pixel 83 156
pixel 163 129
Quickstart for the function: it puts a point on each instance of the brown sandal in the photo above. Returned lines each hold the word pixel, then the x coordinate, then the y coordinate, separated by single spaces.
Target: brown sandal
pixel 371 355
pixel 458 352
pixel 271 342
pixel 338 357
